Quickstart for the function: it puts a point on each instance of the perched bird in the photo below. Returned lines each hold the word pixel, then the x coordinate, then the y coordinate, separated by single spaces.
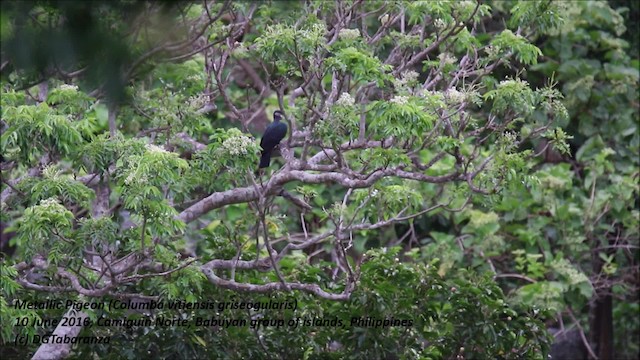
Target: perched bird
pixel 273 134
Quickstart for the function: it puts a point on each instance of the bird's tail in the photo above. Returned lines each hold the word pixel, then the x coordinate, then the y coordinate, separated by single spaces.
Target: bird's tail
pixel 265 159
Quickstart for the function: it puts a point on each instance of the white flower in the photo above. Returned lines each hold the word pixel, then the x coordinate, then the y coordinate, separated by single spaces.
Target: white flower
pixel 410 76
pixel 510 137
pixel 455 96
pixel 511 81
pixel 349 34
pixel 196 102
pixel 129 179
pixel 346 100
pixel 406 78
pixel 50 202
pixel 68 87
pixel 510 140
pixel 447 58
pixel 439 24
pixel 237 145
pixel 492 51
pixel 154 148
pixel 53 205
pixel 400 100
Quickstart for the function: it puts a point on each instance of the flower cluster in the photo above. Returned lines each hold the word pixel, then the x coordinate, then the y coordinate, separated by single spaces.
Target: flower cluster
pixel 510 140
pixel 52 204
pixel 195 78
pixel 512 81
pixel 447 58
pixel 510 137
pixel 349 34
pixel 64 87
pixel 400 100
pixel 346 100
pixel 407 78
pixel 237 145
pixel 439 24
pixel 154 148
pixel 196 102
pixel 436 99
pixel 492 51
pixel 132 180
pixel 455 96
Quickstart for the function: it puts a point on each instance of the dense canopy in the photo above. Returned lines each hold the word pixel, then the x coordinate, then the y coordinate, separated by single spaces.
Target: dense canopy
pixel 458 179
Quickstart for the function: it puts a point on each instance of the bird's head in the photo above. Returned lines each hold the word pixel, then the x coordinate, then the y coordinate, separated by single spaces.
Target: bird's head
pixel 278 115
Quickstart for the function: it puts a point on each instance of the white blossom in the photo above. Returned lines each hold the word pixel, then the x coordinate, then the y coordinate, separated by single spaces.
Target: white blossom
pixel 436 97
pixel 129 179
pixel 439 23
pixel 52 204
pixel 410 76
pixel 237 145
pixel 511 81
pixel 133 180
pixel 510 137
pixel 154 148
pixel 447 58
pixel 455 96
pixel 68 87
pixel 400 100
pixel 349 34
pixel 492 51
pixel 196 102
pixel 406 78
pixel 346 100
pixel 510 140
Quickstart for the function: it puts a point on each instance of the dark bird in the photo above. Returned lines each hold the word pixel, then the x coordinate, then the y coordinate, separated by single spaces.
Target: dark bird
pixel 273 134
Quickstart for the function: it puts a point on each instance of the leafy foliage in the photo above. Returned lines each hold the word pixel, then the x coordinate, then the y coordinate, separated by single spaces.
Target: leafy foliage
pixel 468 167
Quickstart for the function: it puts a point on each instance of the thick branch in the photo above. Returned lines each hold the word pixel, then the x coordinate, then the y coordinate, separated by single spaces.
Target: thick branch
pixel 277 286
pixel 50 351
